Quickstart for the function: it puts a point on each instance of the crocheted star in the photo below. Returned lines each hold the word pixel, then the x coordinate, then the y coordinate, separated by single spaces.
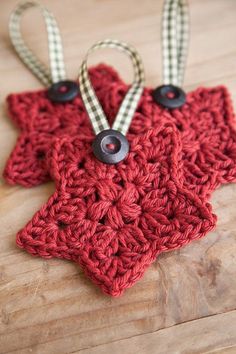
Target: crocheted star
pixel 39 121
pixel 114 220
pixel 207 126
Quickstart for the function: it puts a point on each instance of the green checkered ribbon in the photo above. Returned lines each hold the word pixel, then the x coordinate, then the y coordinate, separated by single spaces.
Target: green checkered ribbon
pixel 130 102
pixel 57 67
pixel 175 36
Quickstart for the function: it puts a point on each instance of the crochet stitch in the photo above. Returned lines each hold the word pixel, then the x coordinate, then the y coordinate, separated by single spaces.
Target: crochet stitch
pixel 39 121
pixel 114 220
pixel 207 126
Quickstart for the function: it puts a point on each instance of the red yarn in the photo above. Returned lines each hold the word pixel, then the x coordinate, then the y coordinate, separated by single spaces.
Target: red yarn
pixel 115 219
pixel 206 123
pixel 207 126
pixel 39 121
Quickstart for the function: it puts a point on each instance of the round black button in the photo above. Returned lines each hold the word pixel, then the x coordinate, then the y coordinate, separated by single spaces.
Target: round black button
pixel 169 96
pixel 63 91
pixel 110 146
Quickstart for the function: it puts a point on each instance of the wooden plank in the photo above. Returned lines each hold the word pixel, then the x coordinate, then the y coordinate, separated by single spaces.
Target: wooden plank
pixel 55 301
pixel 49 306
pixel 200 336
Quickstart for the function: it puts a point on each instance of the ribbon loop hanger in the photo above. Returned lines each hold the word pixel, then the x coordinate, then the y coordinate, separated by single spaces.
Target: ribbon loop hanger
pixel 175 36
pixel 95 112
pixel 57 66
pixel 116 135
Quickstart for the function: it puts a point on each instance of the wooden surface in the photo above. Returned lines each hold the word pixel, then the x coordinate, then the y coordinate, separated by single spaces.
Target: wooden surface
pixel 186 301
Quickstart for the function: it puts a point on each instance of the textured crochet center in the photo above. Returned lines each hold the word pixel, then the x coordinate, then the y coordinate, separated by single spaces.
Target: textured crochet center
pixel 115 219
pixel 40 120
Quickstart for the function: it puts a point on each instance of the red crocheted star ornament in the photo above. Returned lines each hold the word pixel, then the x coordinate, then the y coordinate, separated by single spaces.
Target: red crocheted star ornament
pixel 39 121
pixel 207 126
pixel 114 220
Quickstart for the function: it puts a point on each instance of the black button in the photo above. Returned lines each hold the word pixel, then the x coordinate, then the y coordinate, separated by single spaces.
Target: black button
pixel 169 96
pixel 63 91
pixel 110 146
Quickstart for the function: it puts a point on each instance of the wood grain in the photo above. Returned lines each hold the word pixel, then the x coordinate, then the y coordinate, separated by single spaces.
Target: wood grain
pixel 185 303
pixel 192 337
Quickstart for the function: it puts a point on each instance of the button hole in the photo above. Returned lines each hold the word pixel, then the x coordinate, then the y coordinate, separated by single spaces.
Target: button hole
pixel 63 89
pixel 111 147
pixel 171 95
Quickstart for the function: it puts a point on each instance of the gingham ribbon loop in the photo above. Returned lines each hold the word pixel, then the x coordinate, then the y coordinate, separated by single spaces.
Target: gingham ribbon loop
pixel 57 67
pixel 130 102
pixel 175 36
